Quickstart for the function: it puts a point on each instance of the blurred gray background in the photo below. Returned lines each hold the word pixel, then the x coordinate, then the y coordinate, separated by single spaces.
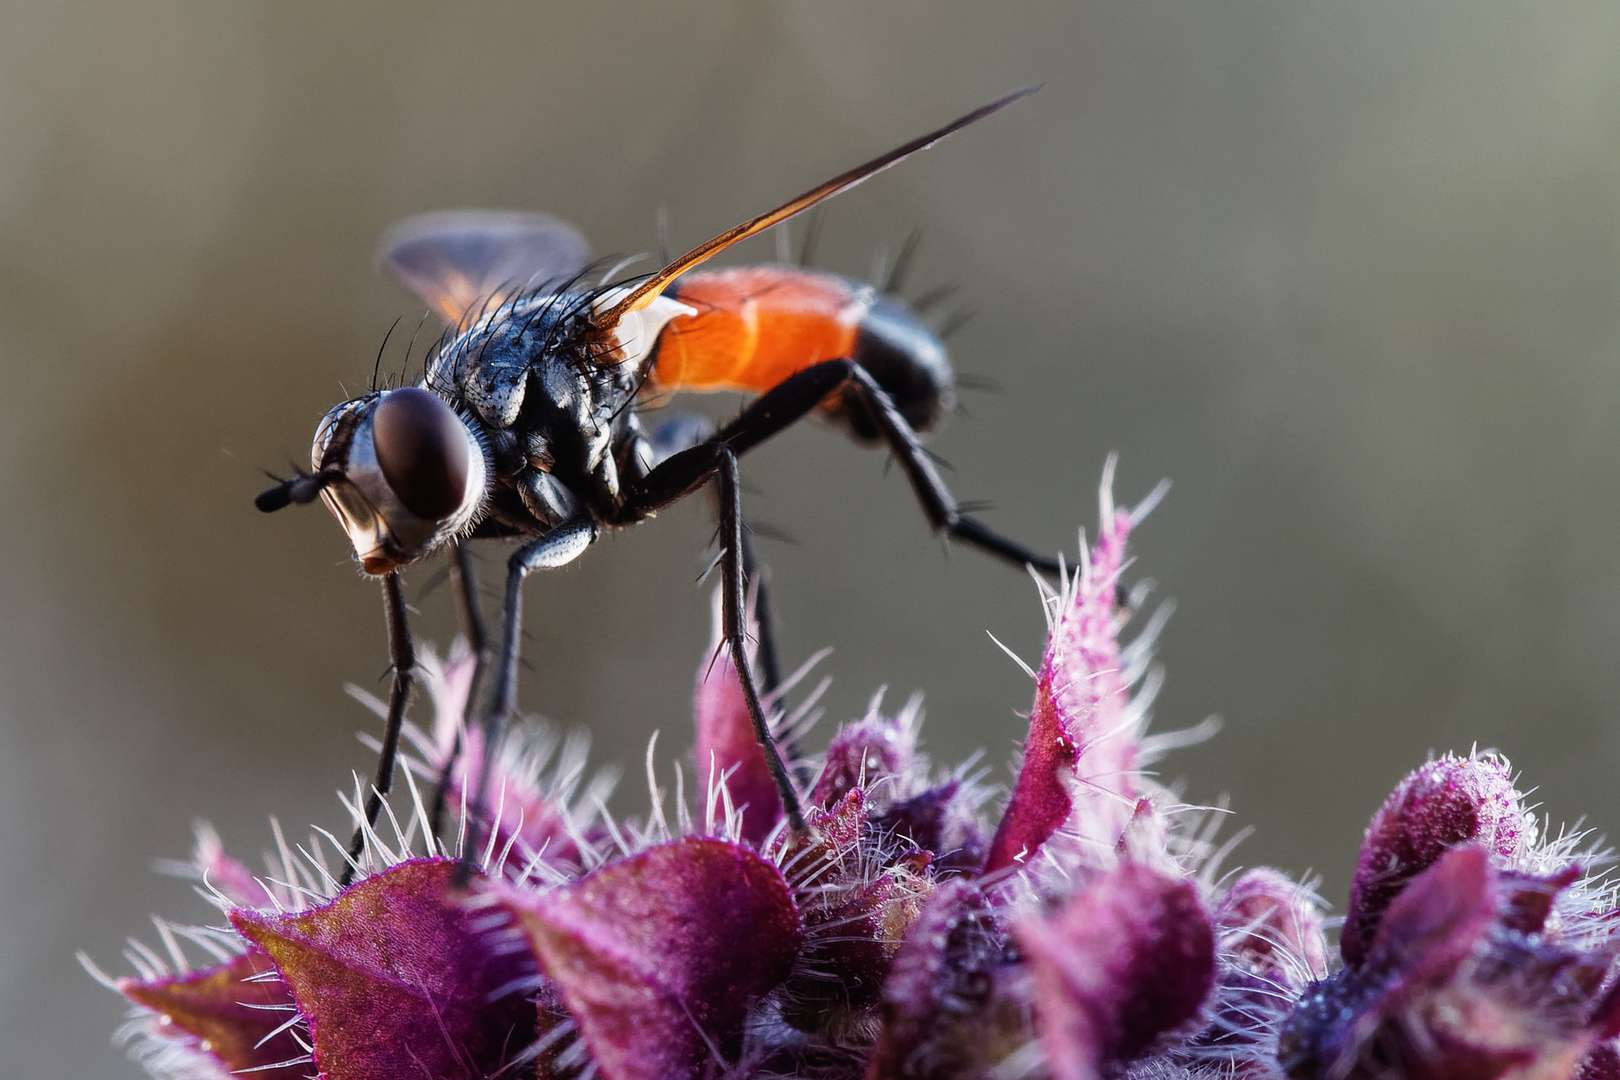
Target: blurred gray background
pixel 1346 273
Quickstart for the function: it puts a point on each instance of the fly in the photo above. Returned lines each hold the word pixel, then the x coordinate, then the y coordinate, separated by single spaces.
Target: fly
pixel 526 424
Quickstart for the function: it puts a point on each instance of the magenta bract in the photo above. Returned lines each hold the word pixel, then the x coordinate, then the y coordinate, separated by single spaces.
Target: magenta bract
pixel 397 977
pixel 1081 754
pixel 235 1012
pixel 659 956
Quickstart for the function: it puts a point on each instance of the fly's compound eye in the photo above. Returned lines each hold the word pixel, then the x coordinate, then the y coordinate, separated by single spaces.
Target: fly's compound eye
pixel 401 472
pixel 424 452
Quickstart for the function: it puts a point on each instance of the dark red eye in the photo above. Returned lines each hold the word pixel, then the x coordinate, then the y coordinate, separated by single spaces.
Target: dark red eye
pixel 422 447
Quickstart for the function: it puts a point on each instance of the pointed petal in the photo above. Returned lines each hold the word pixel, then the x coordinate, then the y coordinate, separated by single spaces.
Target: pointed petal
pixel 1081 754
pixel 659 957
pixel 219 1012
pixel 1441 805
pixel 1129 958
pixel 396 977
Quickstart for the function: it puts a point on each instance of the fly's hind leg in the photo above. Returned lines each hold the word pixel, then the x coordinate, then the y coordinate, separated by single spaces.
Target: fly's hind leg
pixel 770 663
pixel 798 394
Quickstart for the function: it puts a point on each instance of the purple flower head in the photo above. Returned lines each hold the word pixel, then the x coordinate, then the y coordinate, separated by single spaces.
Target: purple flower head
pixel 911 932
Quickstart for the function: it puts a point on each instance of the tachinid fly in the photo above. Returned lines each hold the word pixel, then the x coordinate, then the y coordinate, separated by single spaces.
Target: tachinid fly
pixel 526 423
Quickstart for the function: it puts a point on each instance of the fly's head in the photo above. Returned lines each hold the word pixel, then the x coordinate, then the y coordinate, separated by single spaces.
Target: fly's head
pixel 401 472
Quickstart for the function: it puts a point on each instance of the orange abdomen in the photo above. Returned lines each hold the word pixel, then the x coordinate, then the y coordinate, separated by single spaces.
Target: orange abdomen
pixel 757 325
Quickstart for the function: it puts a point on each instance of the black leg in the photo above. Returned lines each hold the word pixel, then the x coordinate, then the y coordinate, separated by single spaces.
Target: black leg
pixel 557 548
pixel 672 480
pixel 404 664
pixel 770 667
pixel 465 580
pixel 682 432
pixel 795 396
pixel 734 626
pixel 684 472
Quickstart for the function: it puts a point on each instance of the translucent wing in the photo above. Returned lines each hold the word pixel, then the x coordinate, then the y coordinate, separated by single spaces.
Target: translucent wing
pixel 460 260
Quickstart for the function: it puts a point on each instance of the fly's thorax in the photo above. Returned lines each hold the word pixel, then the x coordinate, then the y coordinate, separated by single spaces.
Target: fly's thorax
pixel 409 474
pixel 487 364
pixel 490 359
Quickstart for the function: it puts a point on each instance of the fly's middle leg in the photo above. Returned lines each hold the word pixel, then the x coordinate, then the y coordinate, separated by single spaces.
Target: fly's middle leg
pixel 559 547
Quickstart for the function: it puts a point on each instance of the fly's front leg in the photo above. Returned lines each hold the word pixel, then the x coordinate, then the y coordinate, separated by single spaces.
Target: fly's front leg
pixel 464 578
pixel 403 660
pixel 559 547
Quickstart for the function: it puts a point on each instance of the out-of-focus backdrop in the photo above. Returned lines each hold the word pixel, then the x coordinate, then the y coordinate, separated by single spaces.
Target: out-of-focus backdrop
pixel 1346 273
